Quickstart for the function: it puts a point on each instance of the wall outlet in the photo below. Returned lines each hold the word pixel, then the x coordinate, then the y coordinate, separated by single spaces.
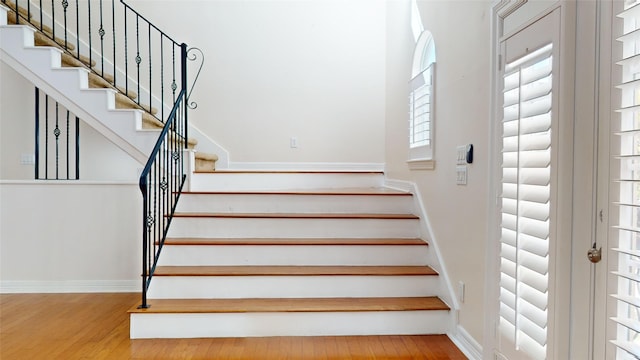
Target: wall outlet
pixel 27 159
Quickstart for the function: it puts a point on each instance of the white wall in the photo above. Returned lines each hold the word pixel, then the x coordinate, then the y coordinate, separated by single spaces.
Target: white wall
pixel 69 237
pixel 457 213
pixel 64 235
pixel 280 69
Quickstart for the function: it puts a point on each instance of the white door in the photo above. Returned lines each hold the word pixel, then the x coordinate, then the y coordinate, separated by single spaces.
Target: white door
pixel 531 186
pixel 620 323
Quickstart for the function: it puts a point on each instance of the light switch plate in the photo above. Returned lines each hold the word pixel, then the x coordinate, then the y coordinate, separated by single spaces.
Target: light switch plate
pixel 461 152
pixel 461 175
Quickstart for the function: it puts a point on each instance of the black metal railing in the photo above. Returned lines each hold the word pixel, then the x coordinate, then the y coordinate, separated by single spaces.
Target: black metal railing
pixel 57 140
pixel 161 184
pixel 143 63
pixel 115 42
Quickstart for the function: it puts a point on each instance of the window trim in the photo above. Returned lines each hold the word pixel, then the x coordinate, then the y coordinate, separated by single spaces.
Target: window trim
pixel 421 157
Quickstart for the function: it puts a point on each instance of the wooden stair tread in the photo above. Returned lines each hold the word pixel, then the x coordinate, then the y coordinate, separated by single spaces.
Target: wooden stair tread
pixel 297 216
pixel 292 305
pixel 222 172
pixel 292 270
pixel 205 156
pixel 307 241
pixel 336 191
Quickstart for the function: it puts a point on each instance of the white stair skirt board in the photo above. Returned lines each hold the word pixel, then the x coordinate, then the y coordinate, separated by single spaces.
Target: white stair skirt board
pixel 219 181
pixel 293 228
pixel 288 324
pixel 298 255
pixel 236 287
pixel 296 203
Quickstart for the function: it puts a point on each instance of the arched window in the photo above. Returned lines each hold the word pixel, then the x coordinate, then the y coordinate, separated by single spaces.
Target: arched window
pixel 421 109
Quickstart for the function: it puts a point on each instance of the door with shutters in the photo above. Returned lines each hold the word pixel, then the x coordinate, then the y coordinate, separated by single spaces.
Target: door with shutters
pixel 530 191
pixel 622 309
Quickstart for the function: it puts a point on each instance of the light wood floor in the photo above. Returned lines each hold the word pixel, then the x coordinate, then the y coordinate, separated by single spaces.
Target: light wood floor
pixel 96 326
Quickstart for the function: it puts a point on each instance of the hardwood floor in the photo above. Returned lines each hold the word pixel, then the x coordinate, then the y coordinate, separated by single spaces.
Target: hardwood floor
pixel 96 326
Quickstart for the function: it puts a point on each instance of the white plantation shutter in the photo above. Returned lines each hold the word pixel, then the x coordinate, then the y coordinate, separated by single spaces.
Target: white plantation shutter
pixel 420 108
pixel 625 243
pixel 526 184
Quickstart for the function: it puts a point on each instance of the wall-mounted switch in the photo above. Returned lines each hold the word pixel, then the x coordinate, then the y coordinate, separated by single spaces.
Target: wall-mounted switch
pixel 293 142
pixel 464 154
pixel 461 175
pixel 461 152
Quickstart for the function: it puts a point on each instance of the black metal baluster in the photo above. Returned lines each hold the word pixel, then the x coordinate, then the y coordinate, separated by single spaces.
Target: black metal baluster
pixel 46 137
pixel 41 23
pixel 113 33
pixel 90 46
pixel 145 236
pixel 77 148
pixel 28 10
pixel 183 59
pixel 56 133
pixel 126 54
pixel 77 29
pixel 138 58
pixel 150 69
pixel 174 86
pixel 67 145
pixel 37 135
pixel 101 32
pixel 53 21
pixel 65 4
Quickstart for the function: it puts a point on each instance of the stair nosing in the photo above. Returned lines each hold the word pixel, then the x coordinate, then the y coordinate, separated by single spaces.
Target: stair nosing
pixel 293 270
pixel 302 216
pixel 295 242
pixel 228 172
pixel 317 192
pixel 293 305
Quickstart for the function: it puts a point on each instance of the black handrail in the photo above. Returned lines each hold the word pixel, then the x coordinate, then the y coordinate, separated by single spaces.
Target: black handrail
pixel 161 184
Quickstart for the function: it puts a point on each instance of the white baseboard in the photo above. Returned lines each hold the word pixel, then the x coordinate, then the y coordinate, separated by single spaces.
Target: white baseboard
pixel 70 286
pixel 313 166
pixel 467 344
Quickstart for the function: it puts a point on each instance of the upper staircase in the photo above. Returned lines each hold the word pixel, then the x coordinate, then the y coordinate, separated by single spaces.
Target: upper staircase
pixel 53 64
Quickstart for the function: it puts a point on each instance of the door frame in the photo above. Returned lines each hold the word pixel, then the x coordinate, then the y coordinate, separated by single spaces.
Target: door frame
pixel 509 17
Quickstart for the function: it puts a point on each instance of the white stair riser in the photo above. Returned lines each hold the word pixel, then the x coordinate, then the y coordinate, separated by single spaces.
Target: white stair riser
pixel 235 287
pixel 262 203
pixel 300 255
pixel 283 181
pixel 289 324
pixel 293 228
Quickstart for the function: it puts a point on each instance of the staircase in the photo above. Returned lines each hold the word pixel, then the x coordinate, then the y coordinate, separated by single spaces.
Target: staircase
pixel 111 110
pixel 256 253
pixel 293 254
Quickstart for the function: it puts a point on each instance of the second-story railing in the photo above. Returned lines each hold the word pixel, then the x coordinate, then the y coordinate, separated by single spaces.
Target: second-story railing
pixel 57 140
pixel 135 57
pixel 115 42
